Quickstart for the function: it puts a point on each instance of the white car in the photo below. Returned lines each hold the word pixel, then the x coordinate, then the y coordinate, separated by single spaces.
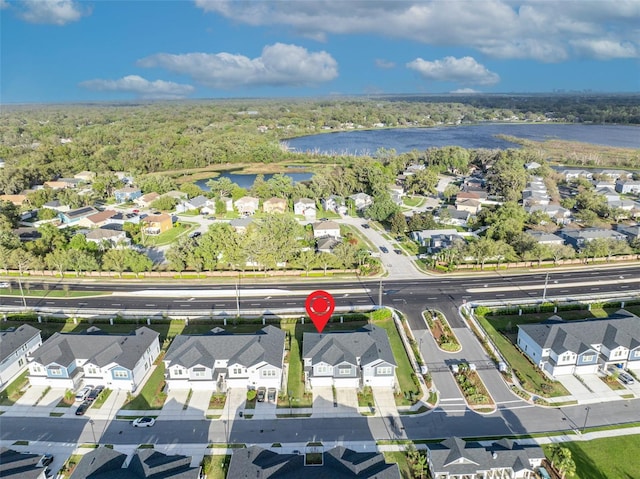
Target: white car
pixel 83 393
pixel 144 422
pixel 5 285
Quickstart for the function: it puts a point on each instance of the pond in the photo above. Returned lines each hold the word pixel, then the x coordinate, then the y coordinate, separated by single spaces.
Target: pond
pixel 246 180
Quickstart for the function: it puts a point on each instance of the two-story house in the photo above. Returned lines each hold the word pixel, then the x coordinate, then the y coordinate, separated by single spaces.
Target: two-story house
pixel 156 224
pixel 349 359
pixel 305 207
pixel 16 344
pixel 219 360
pixel 275 205
pixel 247 205
pixel 582 347
pixel 117 361
pixel 361 200
pixel 326 229
pixel 127 193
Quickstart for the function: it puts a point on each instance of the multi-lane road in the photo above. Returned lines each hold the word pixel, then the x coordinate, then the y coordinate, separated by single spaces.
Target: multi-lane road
pixel 413 296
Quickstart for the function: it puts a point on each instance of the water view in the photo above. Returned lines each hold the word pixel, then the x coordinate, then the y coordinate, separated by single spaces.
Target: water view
pixel 246 180
pixel 362 142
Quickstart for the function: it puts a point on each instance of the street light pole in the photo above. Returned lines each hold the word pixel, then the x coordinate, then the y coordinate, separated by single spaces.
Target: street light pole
pixel 93 432
pixel 380 294
pixel 238 296
pixel 544 292
pixel 586 417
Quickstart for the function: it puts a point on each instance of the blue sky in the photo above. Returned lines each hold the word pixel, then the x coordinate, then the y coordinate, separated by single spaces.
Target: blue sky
pixel 68 50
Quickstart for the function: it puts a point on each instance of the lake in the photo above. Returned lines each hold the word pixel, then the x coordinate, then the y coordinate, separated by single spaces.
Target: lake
pixel 366 142
pixel 246 180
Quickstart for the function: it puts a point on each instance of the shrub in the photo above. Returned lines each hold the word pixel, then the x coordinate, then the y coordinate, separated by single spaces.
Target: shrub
pixel 251 394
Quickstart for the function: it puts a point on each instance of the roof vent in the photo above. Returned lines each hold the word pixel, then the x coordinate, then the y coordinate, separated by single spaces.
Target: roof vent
pixel 494 454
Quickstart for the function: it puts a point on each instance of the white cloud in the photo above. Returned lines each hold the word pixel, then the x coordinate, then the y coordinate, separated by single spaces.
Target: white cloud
pixel 465 70
pixel 53 12
pixel 158 89
pixel 464 91
pixel 604 49
pixel 384 64
pixel 4 4
pixel 278 65
pixel 539 29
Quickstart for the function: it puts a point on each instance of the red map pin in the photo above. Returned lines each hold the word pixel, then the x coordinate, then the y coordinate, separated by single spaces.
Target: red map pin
pixel 320 306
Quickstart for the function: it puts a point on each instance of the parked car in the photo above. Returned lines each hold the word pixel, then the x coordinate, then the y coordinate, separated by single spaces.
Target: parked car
pixel 397 251
pixel 544 474
pixel 5 285
pixel 144 422
pixel 271 394
pixel 83 408
pixel 262 392
pixel 194 234
pixel 95 393
pixel 626 378
pixel 83 393
pixel 45 460
pixel 384 249
pixel 366 226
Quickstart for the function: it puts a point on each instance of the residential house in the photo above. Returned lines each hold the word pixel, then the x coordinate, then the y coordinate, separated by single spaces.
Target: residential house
pixel 632 231
pixel 326 245
pixel 305 207
pixel 156 224
pixel 628 186
pixel 582 347
pixel 546 238
pixel 145 200
pixel 122 218
pixel 275 205
pixel 609 193
pixel 96 220
pixel 127 193
pixel 56 205
pixel 196 203
pixel 455 458
pixel 247 205
pixel 73 217
pixel 241 224
pixel 469 205
pixel 20 465
pixel 16 344
pixel 335 204
pixel 597 184
pixel 613 175
pixel 220 360
pixel 557 213
pixel 62 183
pixel 106 463
pixel 85 176
pixel 325 229
pixel 573 174
pixel 17 200
pixel 578 238
pixel 361 200
pixel 424 237
pixel 337 463
pixel 349 359
pixel 397 193
pixel 116 361
pixel 453 217
pixel 27 233
pixel 111 237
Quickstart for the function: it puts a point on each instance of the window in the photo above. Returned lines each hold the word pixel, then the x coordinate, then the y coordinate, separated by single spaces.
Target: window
pixel 37 369
pixel 268 373
pixel 120 374
pixel 55 371
pixel 636 353
pixel 178 372
pixel 587 358
pixel 91 371
pixel 322 369
pixel 20 362
pixel 383 371
pixel 237 371
pixel 343 371
pixel 198 372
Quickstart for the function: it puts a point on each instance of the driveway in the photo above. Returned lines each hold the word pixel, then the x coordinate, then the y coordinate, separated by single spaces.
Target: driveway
pixel 346 403
pixel 385 402
pixel 175 402
pixel 236 398
pixel 199 403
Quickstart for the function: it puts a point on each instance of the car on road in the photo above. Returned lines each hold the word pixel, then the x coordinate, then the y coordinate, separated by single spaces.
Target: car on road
pixel 5 285
pixel 262 392
pixel 95 393
pixel 194 234
pixel 271 394
pixel 83 408
pixel 45 460
pixel 397 251
pixel 384 249
pixel 366 226
pixel 144 422
pixel 83 393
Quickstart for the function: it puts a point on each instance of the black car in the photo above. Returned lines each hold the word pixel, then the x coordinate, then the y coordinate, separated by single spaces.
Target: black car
pixel 262 391
pixel 397 251
pixel 366 226
pixel 95 393
pixel 384 249
pixel 82 408
pixel 46 460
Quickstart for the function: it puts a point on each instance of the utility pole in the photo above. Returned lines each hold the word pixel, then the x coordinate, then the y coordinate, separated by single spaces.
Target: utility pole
pixel 380 294
pixel 238 296
pixel 544 292
pixel 93 432
pixel 586 417
pixel 24 301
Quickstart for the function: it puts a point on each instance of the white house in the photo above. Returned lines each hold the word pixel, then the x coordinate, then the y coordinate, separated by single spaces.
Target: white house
pixel 326 229
pixel 361 200
pixel 196 203
pixel 628 186
pixel 247 205
pixel 305 207
pixel 579 347
pixel 16 344
pixel 219 360
pixel 104 235
pixel 116 361
pixel 334 203
pixel 349 359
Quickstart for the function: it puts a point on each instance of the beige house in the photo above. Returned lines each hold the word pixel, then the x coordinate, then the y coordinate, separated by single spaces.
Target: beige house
pixel 247 205
pixel 156 224
pixel 468 204
pixel 97 219
pixel 86 176
pixel 15 199
pixel 146 200
pixel 275 205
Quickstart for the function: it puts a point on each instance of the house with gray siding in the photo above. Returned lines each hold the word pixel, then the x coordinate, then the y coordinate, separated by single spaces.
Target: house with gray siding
pixel 349 359
pixel 220 360
pixel 116 361
pixel 16 344
pixel 455 458
pixel 582 347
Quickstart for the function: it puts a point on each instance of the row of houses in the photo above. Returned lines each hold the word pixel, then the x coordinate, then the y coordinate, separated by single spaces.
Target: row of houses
pixel 215 361
pixel 561 347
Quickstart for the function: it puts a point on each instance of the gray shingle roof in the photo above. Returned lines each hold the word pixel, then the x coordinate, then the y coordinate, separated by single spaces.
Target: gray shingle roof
pixel 12 338
pixel 338 463
pixel 368 343
pixel 619 329
pixel 96 347
pixel 457 456
pixel 16 465
pixel 98 464
pixel 246 349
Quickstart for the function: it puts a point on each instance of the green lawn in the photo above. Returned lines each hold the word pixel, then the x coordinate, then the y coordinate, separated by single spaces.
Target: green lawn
pixel 608 458
pixel 151 395
pixel 97 404
pixel 10 394
pixel 532 379
pixel 399 458
pixel 412 201
pixel 215 466
pixel 171 235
